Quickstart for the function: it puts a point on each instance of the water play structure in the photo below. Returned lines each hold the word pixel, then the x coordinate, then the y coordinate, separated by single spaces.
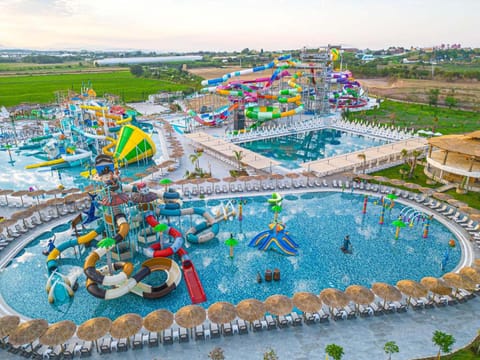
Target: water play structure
pixel 276 237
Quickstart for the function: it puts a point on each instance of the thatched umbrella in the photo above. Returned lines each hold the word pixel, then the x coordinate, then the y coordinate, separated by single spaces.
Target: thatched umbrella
pixel 36 194
pixel 71 190
pixel 307 302
pixel 436 286
pixel 475 217
pixel 126 325
pixel 222 312
pixel 456 203
pixel 8 324
pixel 459 281
pixel 277 177
pixel 58 333
pixel 115 199
pixel 94 329
pixel 182 182
pixel 476 263
pixel 396 182
pixel 412 289
pixel 27 332
pixel 364 176
pixel 309 174
pixel 471 273
pixel 141 198
pixel 54 192
pixel 127 179
pixel 387 292
pixel 381 179
pixel 190 316
pixel 279 304
pixel 360 295
pixel 213 180
pixel 158 320
pixel 140 175
pixel 197 182
pixel 20 194
pixel 292 176
pixel 5 192
pixel 334 298
pixel 412 186
pixel 425 190
pixel 251 309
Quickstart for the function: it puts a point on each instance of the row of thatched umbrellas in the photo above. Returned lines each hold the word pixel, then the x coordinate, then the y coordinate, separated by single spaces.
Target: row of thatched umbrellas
pixel 222 312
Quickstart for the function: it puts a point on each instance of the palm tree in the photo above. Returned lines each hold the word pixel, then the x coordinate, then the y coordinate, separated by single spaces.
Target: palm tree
pixel 411 160
pixel 335 351
pixel 195 159
pixel 239 155
pixel 390 348
pixel 443 341
pixel 363 157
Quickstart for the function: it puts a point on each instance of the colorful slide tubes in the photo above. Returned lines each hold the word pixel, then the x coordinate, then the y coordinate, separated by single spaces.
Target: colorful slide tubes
pixel 133 145
pixel 275 239
pixel 194 285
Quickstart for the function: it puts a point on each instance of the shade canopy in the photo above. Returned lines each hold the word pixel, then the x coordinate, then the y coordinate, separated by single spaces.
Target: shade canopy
pixel 28 331
pixel 412 288
pixel 190 316
pixel 58 333
pixel 307 302
pixel 251 309
pixel 436 286
pixel 471 273
pixel 158 320
pixel 334 298
pixel 8 324
pixel 222 312
pixel 458 281
pixel 360 294
pixel 94 329
pixel 279 304
pixel 126 325
pixel 386 291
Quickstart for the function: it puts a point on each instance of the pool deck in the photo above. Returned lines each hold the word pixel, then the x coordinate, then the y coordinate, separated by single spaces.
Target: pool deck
pixel 361 338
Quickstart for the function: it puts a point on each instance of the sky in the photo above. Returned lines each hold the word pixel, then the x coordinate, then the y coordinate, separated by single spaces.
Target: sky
pixel 217 25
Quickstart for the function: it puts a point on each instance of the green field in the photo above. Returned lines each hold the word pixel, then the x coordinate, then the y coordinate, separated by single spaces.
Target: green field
pixel 444 120
pixel 41 89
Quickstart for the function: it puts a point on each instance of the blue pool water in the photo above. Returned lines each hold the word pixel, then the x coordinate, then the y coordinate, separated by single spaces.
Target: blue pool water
pixel 13 174
pixel 293 150
pixel 317 222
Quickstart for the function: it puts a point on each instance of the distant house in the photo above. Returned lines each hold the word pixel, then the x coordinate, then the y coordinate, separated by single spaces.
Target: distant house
pixel 368 57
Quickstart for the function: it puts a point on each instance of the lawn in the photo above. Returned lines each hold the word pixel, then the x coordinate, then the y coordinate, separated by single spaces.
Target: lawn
pixel 444 120
pixel 40 89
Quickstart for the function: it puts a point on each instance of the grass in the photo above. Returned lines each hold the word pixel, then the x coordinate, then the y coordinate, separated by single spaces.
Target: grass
pixel 41 89
pixel 444 120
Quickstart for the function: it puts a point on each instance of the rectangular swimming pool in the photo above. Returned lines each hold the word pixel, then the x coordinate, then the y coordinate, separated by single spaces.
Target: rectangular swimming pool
pixel 293 150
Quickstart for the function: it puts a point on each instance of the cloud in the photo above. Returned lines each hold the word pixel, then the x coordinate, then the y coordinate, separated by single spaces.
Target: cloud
pixel 40 7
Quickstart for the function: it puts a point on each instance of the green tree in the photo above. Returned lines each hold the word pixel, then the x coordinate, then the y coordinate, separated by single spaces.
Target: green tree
pixel 270 354
pixel 136 70
pixel 433 97
pixel 411 159
pixel 390 348
pixel 450 101
pixel 239 155
pixel 443 341
pixel 195 159
pixel 335 351
pixel 216 354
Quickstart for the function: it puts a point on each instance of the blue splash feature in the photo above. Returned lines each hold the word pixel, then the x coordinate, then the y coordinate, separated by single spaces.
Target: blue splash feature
pixel 318 225
pixel 293 150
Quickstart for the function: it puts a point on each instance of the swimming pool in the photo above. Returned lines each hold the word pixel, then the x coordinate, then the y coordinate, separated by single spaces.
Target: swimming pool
pixel 13 174
pixel 293 150
pixel 317 222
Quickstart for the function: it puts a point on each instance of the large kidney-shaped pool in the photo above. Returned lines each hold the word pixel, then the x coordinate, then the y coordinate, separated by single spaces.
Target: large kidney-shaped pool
pixel 318 222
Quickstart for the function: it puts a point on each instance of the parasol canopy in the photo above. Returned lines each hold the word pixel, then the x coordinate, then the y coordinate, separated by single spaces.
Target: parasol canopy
pixel 58 333
pixel 412 288
pixel 28 331
pixel 307 302
pixel 94 329
pixel 190 316
pixel 436 285
pixel 334 298
pixel 471 273
pixel 141 198
pixel 386 291
pixel 251 309
pixel 158 320
pixel 441 196
pixel 279 304
pixel 412 186
pixel 360 294
pixel 126 325
pixel 115 199
pixel 396 182
pixel 8 324
pixel 458 281
pixel 222 312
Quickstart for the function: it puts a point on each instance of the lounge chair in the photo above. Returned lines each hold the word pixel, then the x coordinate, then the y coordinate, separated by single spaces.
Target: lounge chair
pixel 199 333
pixel 449 212
pixel 137 342
pixel 86 349
pixel 257 326
pixel 323 316
pixel 153 339
pixel 242 327
pixel 365 311
pixel 271 324
pixel 296 320
pixel 338 314
pixel 69 351
pixel 399 307
pixel 440 301
pixel 282 321
pixel 214 331
pixel 106 346
pixel 377 309
pixel 308 318
pixel 427 303
pixel 227 329
pixel 350 312
pixel 416 304
pixel 122 345
pixel 183 335
pixel 167 337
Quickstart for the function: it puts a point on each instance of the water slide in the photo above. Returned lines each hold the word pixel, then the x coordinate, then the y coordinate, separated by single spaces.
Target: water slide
pixel 133 145
pixel 194 285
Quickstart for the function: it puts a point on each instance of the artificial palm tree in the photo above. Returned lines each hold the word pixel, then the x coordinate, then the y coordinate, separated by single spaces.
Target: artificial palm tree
pixel 195 159
pixel 239 155
pixel 108 243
